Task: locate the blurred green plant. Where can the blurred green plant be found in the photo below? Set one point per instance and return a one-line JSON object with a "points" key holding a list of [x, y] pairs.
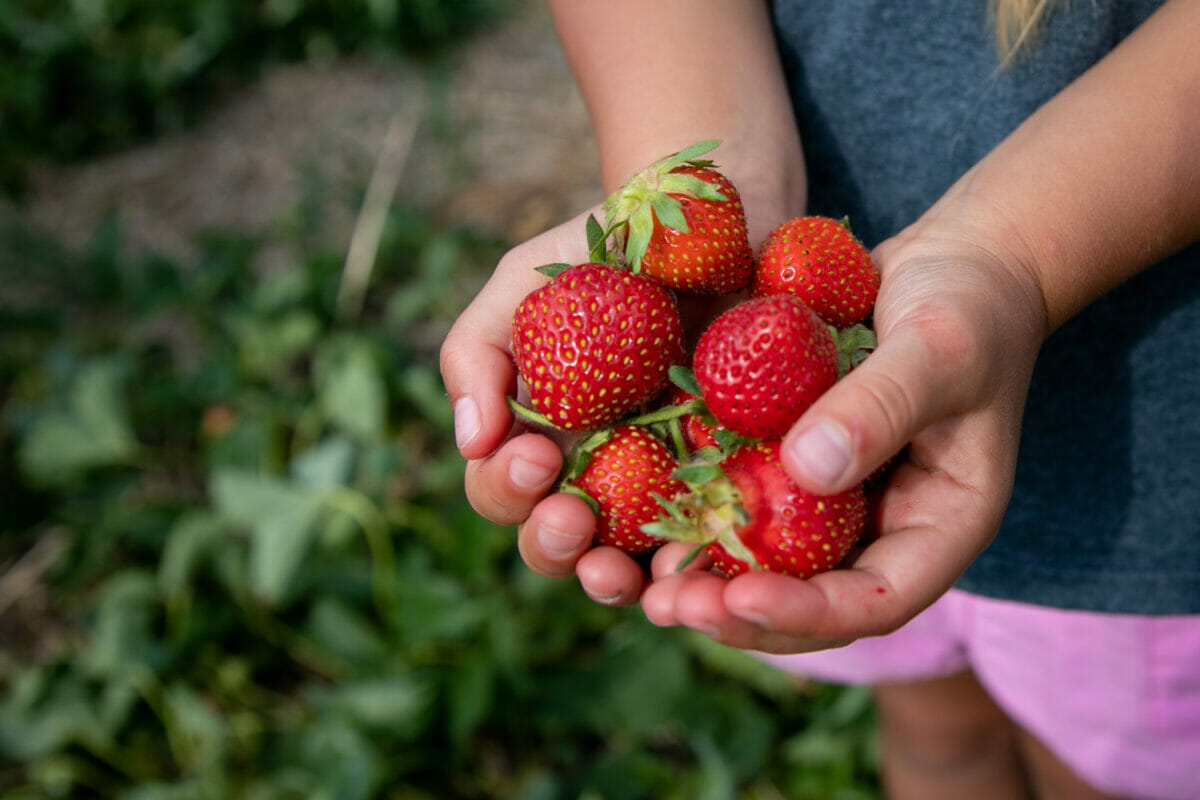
{"points": [[89, 76], [238, 562]]}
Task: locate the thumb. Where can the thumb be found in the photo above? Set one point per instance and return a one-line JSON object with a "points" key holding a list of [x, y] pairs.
{"points": [[908, 383]]}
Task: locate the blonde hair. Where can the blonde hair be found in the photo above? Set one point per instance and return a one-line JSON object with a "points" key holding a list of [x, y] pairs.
{"points": [[1018, 23]]}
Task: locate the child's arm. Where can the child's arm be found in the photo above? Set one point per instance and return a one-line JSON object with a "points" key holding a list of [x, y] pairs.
{"points": [[657, 77], [1099, 184]]}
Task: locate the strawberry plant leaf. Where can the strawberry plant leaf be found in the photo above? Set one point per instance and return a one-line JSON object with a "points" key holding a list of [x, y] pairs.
{"points": [[281, 519], [351, 389], [92, 431]]}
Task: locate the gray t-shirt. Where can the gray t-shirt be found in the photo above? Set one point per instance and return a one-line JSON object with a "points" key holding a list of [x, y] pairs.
{"points": [[895, 100]]}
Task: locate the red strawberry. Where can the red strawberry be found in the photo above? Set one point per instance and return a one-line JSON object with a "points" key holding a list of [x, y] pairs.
{"points": [[753, 516], [787, 529], [819, 260], [595, 343], [762, 363], [681, 221], [622, 477]]}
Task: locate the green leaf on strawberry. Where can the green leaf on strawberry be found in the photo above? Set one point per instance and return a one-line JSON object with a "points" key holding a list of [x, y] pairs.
{"points": [[681, 221]]}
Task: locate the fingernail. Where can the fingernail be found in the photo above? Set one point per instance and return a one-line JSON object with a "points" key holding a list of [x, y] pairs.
{"points": [[822, 453], [557, 544], [604, 599], [528, 475], [755, 618], [466, 421]]}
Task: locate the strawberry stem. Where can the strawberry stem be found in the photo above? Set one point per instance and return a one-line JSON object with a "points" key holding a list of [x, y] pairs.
{"points": [[667, 413], [572, 489], [529, 415]]}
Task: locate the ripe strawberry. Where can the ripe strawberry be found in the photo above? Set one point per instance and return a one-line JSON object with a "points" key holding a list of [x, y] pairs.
{"points": [[762, 363], [819, 260], [681, 221], [751, 515], [623, 474], [595, 343], [787, 529]]}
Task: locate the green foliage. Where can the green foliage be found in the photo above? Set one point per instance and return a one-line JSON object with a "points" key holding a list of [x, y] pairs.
{"points": [[269, 586], [89, 76]]}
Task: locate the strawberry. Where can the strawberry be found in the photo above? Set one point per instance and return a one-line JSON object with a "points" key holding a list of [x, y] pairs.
{"points": [[595, 343], [762, 363], [623, 472], [748, 514], [786, 529], [819, 260], [681, 221]]}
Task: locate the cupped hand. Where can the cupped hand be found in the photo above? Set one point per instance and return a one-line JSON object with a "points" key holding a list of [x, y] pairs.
{"points": [[959, 327], [511, 469]]}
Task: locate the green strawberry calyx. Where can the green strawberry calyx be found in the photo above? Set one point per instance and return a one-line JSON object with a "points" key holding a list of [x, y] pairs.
{"points": [[630, 210], [854, 344], [711, 511]]}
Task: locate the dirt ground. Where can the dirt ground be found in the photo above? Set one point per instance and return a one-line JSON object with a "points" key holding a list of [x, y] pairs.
{"points": [[504, 145]]}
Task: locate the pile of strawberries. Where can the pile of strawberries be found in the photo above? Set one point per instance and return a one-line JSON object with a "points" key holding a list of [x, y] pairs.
{"points": [[685, 446]]}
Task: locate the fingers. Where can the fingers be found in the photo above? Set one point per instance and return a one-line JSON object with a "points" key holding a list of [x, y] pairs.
{"points": [[776, 613], [610, 577], [912, 380], [479, 374], [556, 541], [933, 526], [476, 362], [505, 486], [557, 533]]}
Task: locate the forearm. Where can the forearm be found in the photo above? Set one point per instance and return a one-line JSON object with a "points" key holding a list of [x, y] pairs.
{"points": [[659, 76], [1103, 180]]}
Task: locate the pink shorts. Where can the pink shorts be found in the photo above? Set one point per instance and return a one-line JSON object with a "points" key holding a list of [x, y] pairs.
{"points": [[1115, 697]]}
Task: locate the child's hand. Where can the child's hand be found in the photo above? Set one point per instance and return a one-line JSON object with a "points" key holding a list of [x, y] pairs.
{"points": [[510, 469], [958, 331]]}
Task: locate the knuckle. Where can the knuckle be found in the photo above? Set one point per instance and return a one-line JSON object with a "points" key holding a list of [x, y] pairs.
{"points": [[893, 406]]}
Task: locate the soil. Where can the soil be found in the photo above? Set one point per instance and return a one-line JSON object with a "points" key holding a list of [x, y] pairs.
{"points": [[502, 144]]}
